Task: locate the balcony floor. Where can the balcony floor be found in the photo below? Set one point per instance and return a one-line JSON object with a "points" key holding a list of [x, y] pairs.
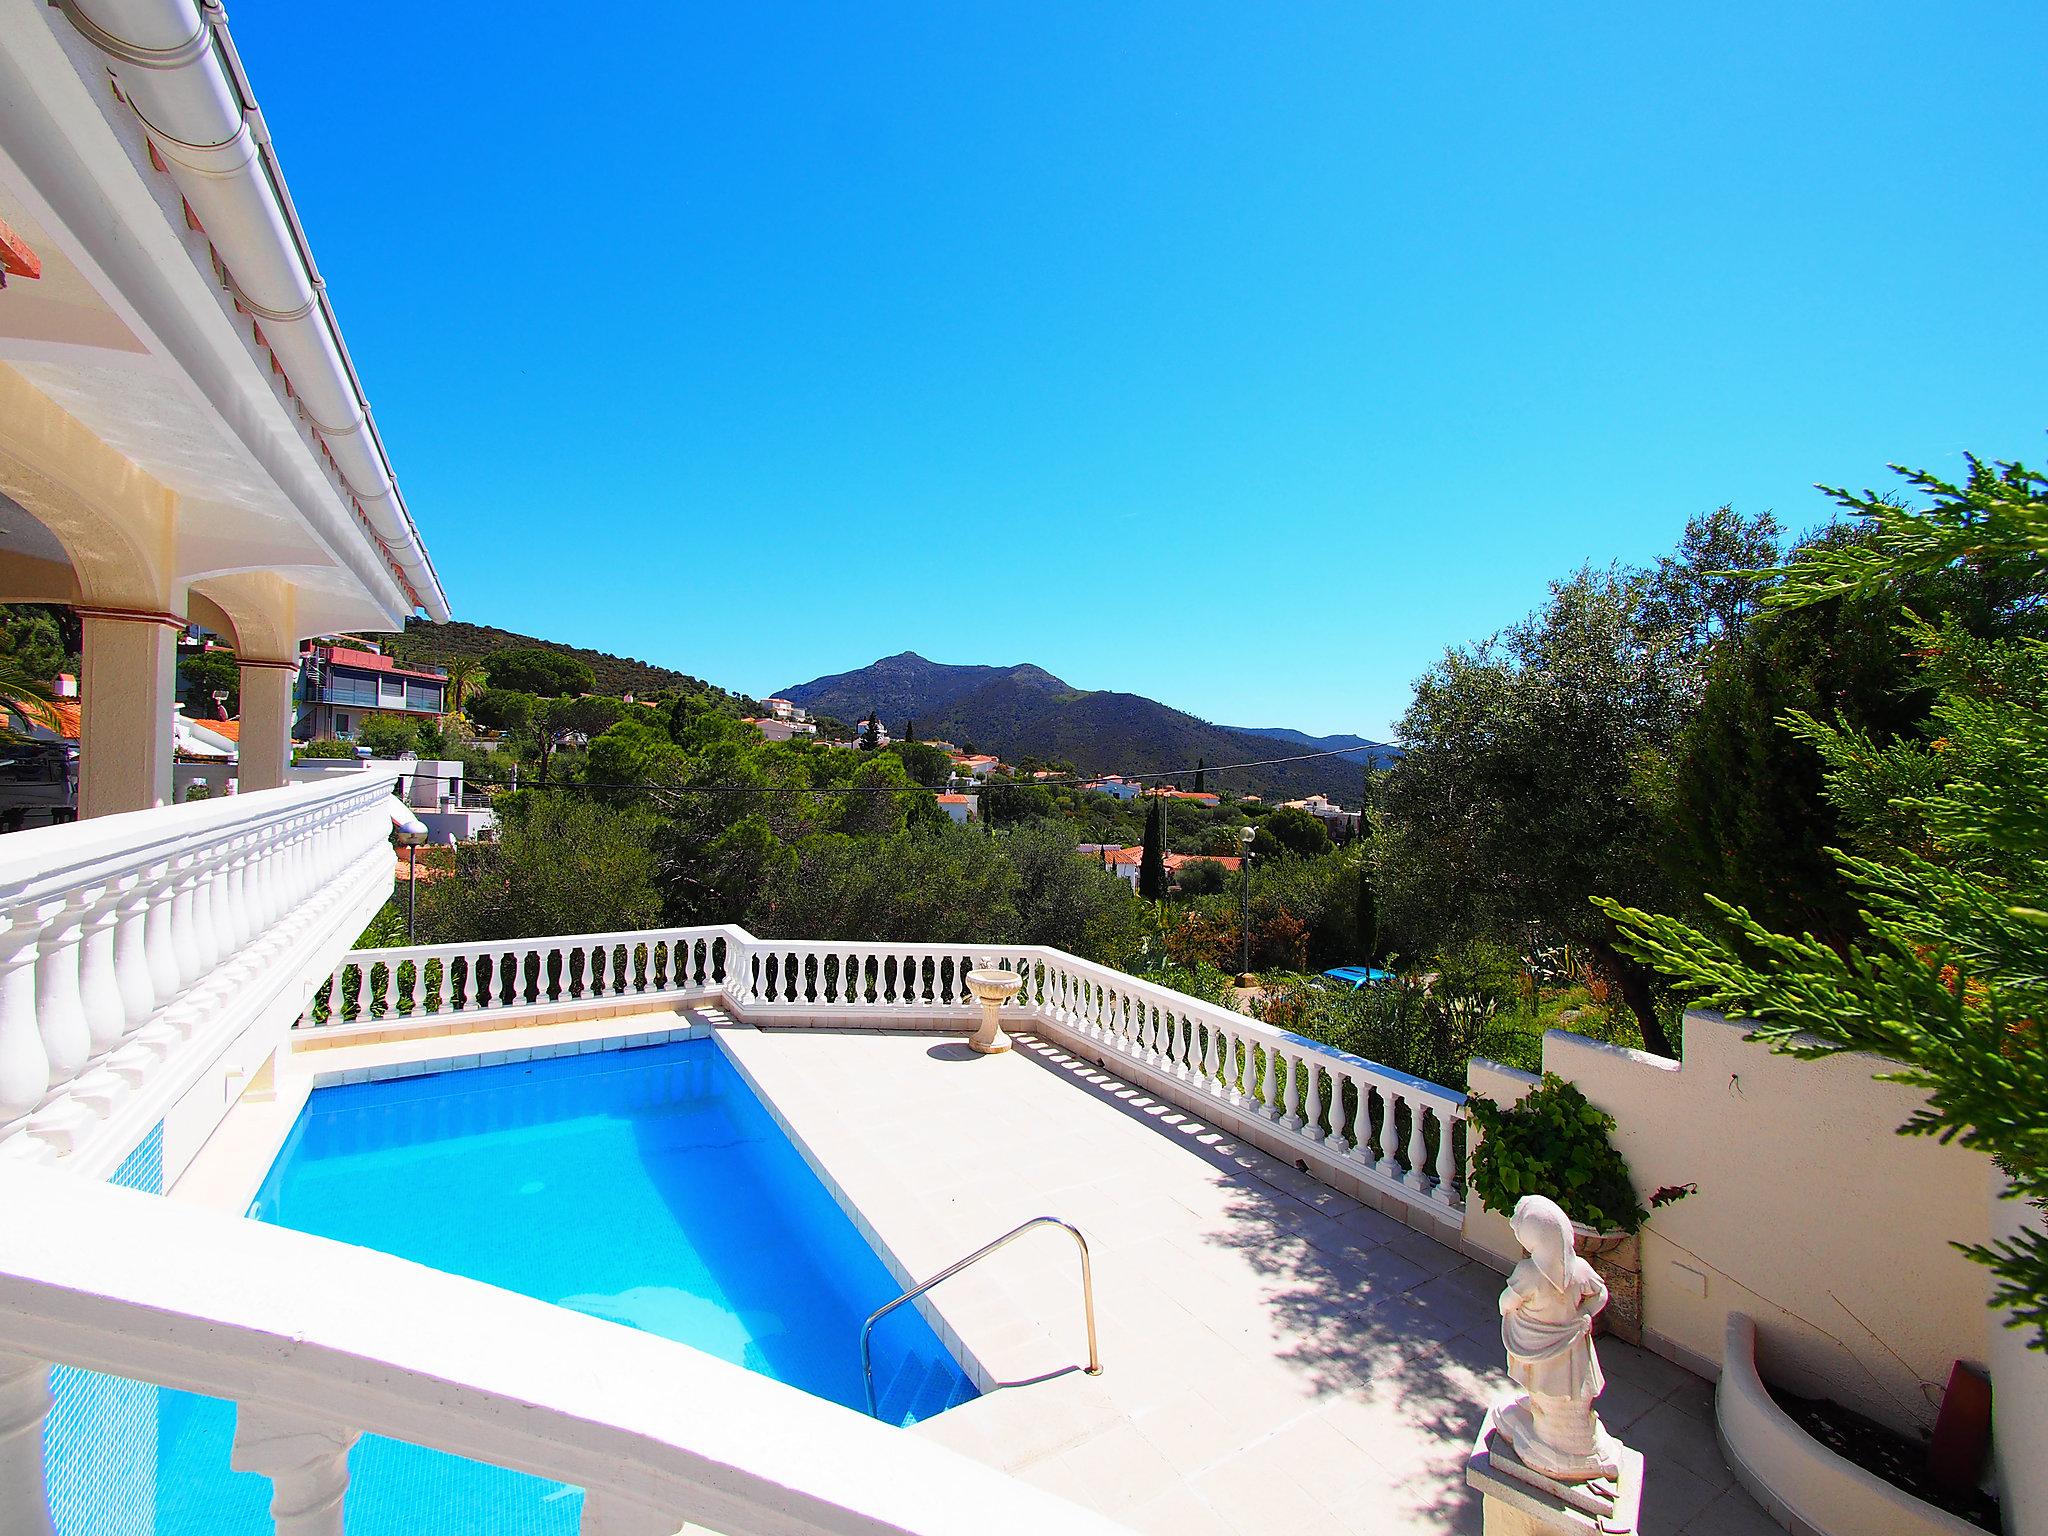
{"points": [[1277, 1357]]}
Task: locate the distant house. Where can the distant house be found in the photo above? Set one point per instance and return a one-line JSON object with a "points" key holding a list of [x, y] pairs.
{"points": [[975, 765], [342, 686], [960, 807], [1335, 819], [780, 728], [783, 709], [1124, 863], [1122, 788], [1199, 797]]}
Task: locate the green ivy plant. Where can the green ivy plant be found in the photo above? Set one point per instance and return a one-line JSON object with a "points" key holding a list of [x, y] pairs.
{"points": [[1554, 1142]]}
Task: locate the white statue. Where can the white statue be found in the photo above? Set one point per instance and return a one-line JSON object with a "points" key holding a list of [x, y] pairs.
{"points": [[1546, 1322]]}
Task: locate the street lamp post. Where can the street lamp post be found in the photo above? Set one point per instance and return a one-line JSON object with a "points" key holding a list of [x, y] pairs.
{"points": [[410, 841], [1244, 901]]}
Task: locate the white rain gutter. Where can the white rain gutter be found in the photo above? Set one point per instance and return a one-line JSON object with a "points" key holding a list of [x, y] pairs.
{"points": [[178, 69]]}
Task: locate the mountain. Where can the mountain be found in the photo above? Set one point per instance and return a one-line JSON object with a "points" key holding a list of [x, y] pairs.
{"points": [[1025, 712], [1308, 742], [426, 643]]}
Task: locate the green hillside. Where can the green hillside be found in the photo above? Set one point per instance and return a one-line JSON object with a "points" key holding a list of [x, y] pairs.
{"points": [[425, 643]]}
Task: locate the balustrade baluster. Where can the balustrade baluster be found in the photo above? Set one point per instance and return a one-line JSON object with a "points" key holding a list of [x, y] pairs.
{"points": [[1418, 1145], [1390, 1134], [306, 1460], [24, 1404], [1312, 1118], [241, 873], [67, 1042], [160, 946], [1443, 1168], [184, 930], [24, 1063], [131, 956], [99, 990]]}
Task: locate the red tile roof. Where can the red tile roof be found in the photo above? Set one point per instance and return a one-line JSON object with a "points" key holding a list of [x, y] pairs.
{"points": [[372, 661], [65, 724]]}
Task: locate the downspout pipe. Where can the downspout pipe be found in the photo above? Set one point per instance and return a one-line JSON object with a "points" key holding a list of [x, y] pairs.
{"points": [[178, 70]]}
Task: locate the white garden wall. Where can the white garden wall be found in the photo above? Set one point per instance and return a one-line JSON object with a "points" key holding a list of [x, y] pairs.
{"points": [[1813, 1216]]}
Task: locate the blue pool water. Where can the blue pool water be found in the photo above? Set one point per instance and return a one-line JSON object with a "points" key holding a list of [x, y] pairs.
{"points": [[649, 1187]]}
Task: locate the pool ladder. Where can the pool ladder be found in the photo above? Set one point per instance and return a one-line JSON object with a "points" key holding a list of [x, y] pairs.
{"points": [[867, 1364]]}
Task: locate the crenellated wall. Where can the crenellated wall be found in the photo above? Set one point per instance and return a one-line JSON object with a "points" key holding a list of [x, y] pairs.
{"points": [[1813, 1215]]}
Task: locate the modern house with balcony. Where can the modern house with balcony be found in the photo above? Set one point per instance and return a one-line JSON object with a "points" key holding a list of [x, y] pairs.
{"points": [[625, 1234], [341, 686]]}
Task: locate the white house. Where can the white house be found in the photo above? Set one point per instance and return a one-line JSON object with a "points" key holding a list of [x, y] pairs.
{"points": [[960, 807], [1117, 785]]}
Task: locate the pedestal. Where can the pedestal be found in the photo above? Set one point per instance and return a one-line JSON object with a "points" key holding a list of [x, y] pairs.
{"points": [[1520, 1501]]}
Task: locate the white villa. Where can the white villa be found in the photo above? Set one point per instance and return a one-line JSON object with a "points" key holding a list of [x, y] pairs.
{"points": [[1272, 1306]]}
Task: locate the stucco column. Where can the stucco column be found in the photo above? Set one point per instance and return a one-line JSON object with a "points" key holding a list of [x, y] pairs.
{"points": [[265, 748], [127, 691]]}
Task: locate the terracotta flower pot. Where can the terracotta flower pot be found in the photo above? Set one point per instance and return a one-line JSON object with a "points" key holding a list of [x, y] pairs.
{"points": [[1617, 1258]]}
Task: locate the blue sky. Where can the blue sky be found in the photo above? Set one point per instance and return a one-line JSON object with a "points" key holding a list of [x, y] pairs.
{"points": [[1241, 356]]}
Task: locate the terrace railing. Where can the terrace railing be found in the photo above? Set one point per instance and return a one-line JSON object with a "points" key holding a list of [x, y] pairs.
{"points": [[275, 1321], [1351, 1121], [135, 949]]}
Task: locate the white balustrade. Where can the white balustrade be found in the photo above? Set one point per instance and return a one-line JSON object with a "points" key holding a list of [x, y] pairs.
{"points": [[125, 936], [653, 1431], [1341, 1114]]}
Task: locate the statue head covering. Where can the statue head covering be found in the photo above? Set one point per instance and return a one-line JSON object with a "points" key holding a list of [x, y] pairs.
{"points": [[1541, 1226]]}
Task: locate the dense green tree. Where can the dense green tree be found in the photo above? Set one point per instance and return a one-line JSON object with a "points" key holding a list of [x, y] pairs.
{"points": [[1061, 900], [948, 886], [562, 864], [1522, 793], [1201, 877], [205, 673], [633, 759], [39, 639], [1950, 982], [1201, 775], [870, 734], [538, 671], [388, 735], [1291, 832], [1747, 816], [925, 764], [502, 709], [1152, 863]]}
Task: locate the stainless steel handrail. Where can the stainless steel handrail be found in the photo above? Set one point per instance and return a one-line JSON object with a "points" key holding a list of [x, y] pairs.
{"points": [[867, 1364]]}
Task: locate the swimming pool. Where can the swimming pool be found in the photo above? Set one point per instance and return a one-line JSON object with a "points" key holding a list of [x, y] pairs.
{"points": [[648, 1186]]}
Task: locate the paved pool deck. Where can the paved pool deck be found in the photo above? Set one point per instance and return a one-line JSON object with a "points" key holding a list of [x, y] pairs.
{"points": [[1278, 1358]]}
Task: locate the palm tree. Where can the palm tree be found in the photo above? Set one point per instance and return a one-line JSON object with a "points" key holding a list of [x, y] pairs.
{"points": [[25, 697], [461, 670]]}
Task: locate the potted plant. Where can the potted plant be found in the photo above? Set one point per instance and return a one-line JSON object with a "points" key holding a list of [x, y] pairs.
{"points": [[1555, 1142]]}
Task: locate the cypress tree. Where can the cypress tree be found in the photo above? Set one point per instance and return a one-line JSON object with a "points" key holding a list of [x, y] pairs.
{"points": [[1201, 775], [1152, 867], [1367, 935]]}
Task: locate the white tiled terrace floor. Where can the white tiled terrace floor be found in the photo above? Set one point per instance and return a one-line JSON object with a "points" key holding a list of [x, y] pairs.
{"points": [[1277, 1357]]}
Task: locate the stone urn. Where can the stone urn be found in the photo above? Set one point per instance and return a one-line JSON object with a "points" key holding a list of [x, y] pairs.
{"points": [[993, 989], [1616, 1258]]}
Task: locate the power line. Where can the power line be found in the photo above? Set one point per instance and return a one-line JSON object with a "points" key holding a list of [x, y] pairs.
{"points": [[1070, 781]]}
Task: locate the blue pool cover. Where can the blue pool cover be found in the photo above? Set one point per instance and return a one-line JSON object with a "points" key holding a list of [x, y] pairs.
{"points": [[649, 1187]]}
